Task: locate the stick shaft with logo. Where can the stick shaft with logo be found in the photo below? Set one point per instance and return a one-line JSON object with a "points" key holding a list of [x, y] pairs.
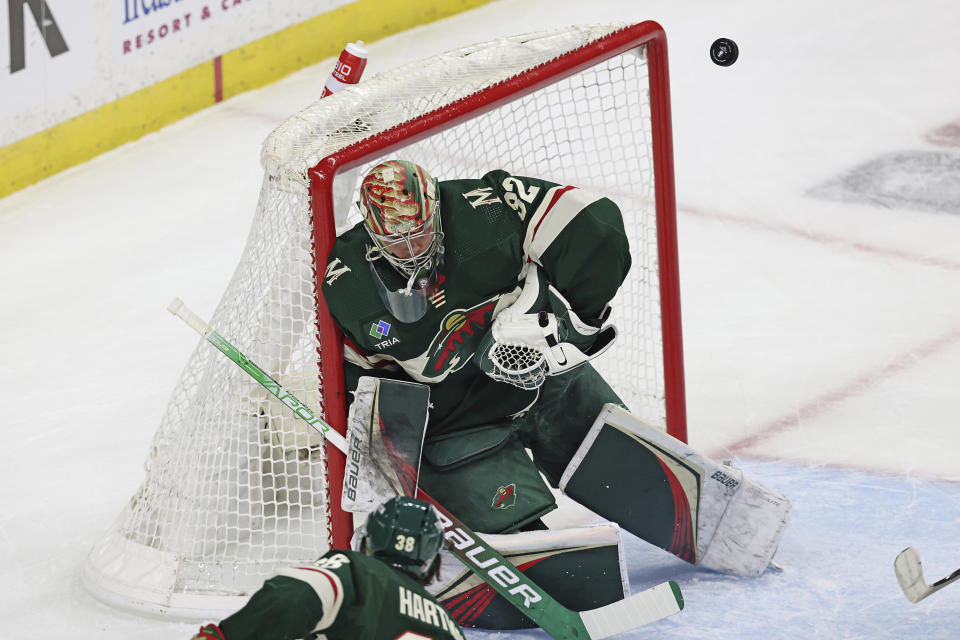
{"points": [[560, 622]]}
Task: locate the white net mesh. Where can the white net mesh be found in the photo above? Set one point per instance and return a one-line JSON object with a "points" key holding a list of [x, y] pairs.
{"points": [[235, 486]]}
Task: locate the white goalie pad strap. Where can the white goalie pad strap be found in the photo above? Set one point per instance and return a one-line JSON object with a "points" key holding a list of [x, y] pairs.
{"points": [[738, 522], [526, 546], [563, 354], [359, 529]]}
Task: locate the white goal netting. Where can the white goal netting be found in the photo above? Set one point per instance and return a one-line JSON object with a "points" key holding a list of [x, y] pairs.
{"points": [[235, 487]]}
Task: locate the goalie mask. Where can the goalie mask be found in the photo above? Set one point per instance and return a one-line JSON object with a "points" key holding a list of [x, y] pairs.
{"points": [[400, 204], [406, 534], [401, 210]]}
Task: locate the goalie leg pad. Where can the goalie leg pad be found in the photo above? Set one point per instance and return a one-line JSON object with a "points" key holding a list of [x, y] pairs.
{"points": [[664, 492], [562, 417], [486, 478], [381, 409], [749, 530], [582, 568]]}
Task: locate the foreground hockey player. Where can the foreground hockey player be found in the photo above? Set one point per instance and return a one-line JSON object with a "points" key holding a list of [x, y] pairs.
{"points": [[494, 292], [349, 595]]}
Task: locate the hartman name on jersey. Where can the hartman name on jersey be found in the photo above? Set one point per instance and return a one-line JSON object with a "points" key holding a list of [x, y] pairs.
{"points": [[415, 606]]}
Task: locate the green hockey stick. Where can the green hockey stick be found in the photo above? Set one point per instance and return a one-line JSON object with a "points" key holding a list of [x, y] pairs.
{"points": [[560, 622]]}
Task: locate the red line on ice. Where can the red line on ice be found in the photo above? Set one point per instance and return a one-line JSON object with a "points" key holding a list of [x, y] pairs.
{"points": [[824, 238], [829, 400], [864, 382]]}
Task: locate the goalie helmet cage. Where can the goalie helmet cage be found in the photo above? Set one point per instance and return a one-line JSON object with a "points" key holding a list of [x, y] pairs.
{"points": [[235, 486]]}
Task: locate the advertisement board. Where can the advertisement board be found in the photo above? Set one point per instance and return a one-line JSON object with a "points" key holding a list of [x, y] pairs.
{"points": [[66, 57], [82, 77]]}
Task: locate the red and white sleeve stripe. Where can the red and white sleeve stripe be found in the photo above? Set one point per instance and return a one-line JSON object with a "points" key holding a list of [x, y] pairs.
{"points": [[328, 588], [353, 355], [560, 206]]}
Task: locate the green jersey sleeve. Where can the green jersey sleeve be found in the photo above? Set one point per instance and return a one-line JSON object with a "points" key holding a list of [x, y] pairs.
{"points": [[343, 595], [575, 234], [365, 599]]}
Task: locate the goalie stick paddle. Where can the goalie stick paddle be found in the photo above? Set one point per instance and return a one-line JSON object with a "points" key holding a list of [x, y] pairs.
{"points": [[639, 609], [910, 576]]}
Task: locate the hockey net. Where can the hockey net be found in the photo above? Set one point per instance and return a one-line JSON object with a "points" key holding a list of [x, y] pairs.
{"points": [[235, 486]]}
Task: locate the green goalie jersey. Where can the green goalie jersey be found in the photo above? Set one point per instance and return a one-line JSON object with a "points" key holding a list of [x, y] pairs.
{"points": [[492, 226], [345, 595]]}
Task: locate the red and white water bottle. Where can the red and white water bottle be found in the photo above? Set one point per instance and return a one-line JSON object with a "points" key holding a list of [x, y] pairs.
{"points": [[348, 69]]}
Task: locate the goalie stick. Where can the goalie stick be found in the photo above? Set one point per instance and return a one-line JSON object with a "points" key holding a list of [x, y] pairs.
{"points": [[560, 622], [910, 576]]}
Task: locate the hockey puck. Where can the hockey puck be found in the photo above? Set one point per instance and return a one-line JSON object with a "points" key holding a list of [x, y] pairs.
{"points": [[724, 52]]}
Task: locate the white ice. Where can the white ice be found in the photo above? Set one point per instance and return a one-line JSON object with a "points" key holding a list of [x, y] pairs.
{"points": [[822, 335]]}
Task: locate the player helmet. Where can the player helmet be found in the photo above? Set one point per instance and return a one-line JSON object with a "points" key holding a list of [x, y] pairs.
{"points": [[405, 533], [400, 203]]}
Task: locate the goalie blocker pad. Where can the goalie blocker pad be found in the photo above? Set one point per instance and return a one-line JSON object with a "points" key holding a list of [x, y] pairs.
{"points": [[664, 492], [582, 568], [401, 408]]}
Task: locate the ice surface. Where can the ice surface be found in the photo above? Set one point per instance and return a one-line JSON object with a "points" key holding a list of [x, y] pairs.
{"points": [[822, 331]]}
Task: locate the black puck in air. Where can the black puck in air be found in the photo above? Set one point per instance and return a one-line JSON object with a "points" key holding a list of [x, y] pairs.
{"points": [[724, 52]]}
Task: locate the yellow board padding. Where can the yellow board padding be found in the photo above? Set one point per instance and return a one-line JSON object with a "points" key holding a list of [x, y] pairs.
{"points": [[261, 62], [88, 135]]}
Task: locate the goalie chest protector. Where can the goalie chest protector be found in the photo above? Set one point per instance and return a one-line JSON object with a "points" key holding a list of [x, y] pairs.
{"points": [[484, 251]]}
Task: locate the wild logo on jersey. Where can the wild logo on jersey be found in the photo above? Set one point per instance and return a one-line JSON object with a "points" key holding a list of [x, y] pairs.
{"points": [[505, 497], [459, 335]]}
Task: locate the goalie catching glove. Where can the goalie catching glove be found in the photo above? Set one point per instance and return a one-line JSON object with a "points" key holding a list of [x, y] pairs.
{"points": [[540, 335]]}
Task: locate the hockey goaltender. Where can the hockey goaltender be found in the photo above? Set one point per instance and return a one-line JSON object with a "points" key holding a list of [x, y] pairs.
{"points": [[494, 292]]}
